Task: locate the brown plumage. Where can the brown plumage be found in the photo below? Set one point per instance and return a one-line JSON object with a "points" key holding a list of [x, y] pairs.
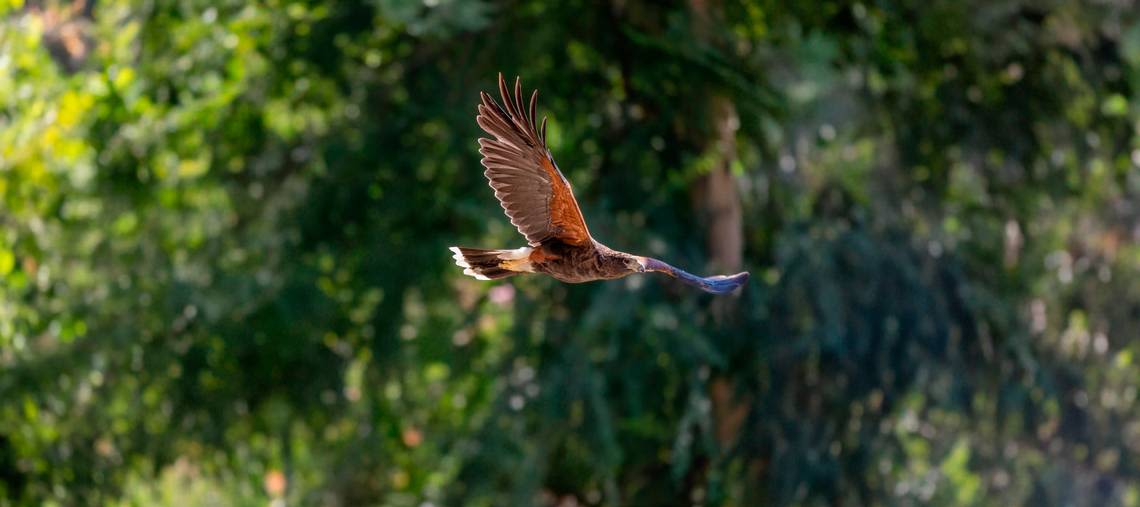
{"points": [[540, 203]]}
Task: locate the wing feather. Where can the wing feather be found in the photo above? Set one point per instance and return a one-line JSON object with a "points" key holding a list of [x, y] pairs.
{"points": [[533, 192]]}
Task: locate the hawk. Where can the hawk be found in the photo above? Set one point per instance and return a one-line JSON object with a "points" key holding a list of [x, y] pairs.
{"points": [[540, 203]]}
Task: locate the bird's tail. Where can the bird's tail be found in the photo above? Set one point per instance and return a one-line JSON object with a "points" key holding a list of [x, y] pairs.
{"points": [[492, 264]]}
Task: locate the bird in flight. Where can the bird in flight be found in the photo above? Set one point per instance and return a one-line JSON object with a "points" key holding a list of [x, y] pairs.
{"points": [[538, 200]]}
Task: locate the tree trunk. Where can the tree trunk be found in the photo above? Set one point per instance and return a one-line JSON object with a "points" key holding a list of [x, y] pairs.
{"points": [[717, 202]]}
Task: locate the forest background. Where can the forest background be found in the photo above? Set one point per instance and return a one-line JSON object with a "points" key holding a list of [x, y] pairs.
{"points": [[224, 276]]}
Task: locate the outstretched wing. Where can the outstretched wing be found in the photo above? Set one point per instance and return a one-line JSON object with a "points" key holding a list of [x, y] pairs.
{"points": [[720, 284], [533, 192]]}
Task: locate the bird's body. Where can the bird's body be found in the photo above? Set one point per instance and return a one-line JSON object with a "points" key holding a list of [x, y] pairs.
{"points": [[573, 264], [540, 203], [563, 262]]}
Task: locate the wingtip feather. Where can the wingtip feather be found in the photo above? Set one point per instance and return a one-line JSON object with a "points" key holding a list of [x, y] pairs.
{"points": [[533, 107]]}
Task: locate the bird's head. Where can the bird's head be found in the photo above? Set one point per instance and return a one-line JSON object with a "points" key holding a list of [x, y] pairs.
{"points": [[635, 264]]}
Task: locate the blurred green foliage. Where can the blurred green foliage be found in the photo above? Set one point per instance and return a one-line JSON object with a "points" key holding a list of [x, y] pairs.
{"points": [[225, 277]]}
